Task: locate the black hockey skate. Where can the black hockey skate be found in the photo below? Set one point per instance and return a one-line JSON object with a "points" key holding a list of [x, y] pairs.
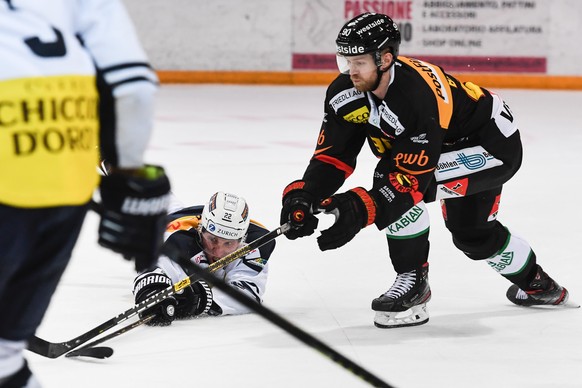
{"points": [[404, 304], [543, 291]]}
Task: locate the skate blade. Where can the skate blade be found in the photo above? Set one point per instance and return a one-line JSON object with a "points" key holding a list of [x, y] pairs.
{"points": [[569, 304], [566, 303], [414, 316], [572, 304]]}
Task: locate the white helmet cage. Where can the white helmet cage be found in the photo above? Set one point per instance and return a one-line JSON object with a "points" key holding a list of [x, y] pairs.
{"points": [[226, 215]]}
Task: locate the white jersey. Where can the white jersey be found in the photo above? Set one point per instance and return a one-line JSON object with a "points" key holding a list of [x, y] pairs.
{"points": [[107, 32], [48, 113], [249, 273], [238, 274]]}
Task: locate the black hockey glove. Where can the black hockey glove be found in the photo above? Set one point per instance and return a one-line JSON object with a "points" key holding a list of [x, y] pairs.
{"points": [[193, 300], [297, 209], [353, 210], [148, 284], [133, 214]]}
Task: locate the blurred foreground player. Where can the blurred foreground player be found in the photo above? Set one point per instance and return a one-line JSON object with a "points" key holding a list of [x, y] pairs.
{"points": [[435, 137], [200, 236], [65, 65]]}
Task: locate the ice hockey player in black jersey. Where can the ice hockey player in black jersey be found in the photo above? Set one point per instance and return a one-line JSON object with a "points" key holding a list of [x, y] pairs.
{"points": [[74, 83], [435, 138], [200, 236]]}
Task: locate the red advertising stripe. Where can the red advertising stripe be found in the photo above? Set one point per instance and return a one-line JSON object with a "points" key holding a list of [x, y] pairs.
{"points": [[449, 63], [314, 62], [489, 64]]}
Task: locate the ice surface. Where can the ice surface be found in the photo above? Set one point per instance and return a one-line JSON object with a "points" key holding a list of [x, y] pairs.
{"points": [[253, 140]]}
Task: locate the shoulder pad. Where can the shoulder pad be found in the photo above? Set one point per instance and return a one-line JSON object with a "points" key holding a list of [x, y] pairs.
{"points": [[342, 92], [183, 223], [181, 246], [346, 101]]}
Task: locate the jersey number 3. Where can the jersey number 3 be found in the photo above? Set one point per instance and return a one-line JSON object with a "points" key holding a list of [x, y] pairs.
{"points": [[48, 49]]}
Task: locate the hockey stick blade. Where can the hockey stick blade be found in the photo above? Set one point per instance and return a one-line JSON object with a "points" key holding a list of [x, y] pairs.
{"points": [[94, 352], [87, 348], [56, 349]]}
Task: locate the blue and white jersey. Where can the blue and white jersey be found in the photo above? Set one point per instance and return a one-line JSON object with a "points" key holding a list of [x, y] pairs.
{"points": [[183, 245]]}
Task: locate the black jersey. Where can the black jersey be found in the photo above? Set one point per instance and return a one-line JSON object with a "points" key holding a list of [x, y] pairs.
{"points": [[423, 108]]}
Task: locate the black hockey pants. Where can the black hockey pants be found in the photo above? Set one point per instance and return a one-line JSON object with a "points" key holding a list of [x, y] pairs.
{"points": [[471, 217], [35, 248]]}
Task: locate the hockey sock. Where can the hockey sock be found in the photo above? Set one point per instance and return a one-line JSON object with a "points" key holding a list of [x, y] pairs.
{"points": [[11, 357], [408, 239], [514, 260], [413, 222]]}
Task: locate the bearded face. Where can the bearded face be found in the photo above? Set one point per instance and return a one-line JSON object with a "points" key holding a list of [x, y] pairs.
{"points": [[362, 70]]}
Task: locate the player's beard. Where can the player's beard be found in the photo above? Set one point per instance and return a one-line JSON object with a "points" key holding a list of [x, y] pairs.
{"points": [[365, 84]]}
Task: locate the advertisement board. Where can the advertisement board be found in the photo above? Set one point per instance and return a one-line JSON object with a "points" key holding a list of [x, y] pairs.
{"points": [[495, 36]]}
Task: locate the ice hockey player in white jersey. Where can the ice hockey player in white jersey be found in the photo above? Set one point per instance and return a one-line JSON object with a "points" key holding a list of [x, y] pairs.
{"points": [[200, 236], [74, 83]]}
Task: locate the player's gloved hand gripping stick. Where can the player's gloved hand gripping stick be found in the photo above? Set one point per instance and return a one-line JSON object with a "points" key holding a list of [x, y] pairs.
{"points": [[57, 349]]}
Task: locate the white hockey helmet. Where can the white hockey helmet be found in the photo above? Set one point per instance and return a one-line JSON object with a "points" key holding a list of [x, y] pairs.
{"points": [[226, 216]]}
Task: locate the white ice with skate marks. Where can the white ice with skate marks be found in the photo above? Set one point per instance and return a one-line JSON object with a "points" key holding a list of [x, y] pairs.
{"points": [[253, 141]]}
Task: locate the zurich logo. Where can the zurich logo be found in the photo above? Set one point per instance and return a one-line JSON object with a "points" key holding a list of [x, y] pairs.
{"points": [[472, 162], [211, 227]]}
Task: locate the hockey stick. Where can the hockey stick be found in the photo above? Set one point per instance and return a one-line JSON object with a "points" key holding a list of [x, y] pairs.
{"points": [[290, 328], [56, 349], [90, 350]]}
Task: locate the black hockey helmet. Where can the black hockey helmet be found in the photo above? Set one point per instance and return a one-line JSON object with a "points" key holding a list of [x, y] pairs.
{"points": [[369, 33]]}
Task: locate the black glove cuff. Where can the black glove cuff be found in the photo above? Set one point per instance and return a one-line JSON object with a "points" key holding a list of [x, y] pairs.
{"points": [[147, 284], [194, 300]]}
